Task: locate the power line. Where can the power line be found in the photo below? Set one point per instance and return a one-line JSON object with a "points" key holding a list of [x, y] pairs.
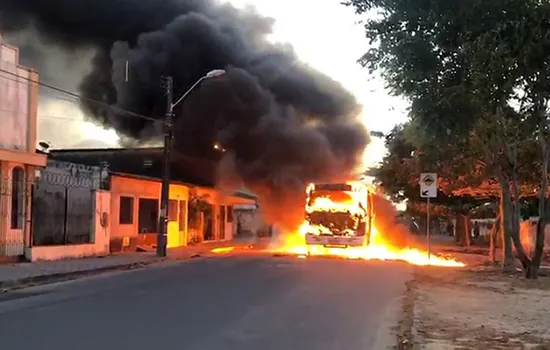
{"points": [[41, 116], [75, 95], [65, 118], [49, 116], [55, 97]]}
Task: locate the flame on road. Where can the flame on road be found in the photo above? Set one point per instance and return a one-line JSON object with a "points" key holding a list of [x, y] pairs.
{"points": [[378, 249], [222, 250], [355, 203]]}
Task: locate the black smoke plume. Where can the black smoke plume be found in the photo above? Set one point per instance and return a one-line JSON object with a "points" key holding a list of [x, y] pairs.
{"points": [[282, 123]]}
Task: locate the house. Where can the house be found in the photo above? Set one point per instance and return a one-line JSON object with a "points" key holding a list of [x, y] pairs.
{"points": [[18, 157], [197, 211]]}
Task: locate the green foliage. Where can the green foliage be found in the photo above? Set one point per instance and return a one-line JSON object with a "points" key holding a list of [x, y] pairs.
{"points": [[477, 75], [456, 61], [462, 65], [400, 170]]}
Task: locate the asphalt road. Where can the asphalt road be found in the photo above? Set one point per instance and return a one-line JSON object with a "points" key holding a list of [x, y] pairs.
{"points": [[225, 303]]}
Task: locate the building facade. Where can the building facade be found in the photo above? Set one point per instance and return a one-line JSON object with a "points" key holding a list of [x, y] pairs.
{"points": [[18, 157], [135, 207], [197, 211]]}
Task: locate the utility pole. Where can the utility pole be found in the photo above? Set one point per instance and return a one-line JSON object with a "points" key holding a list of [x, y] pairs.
{"points": [[168, 85], [165, 191]]}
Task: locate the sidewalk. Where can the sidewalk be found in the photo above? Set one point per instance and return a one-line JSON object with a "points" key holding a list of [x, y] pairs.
{"points": [[19, 275]]}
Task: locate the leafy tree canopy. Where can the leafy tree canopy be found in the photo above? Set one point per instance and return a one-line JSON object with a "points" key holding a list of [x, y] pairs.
{"points": [[466, 67]]}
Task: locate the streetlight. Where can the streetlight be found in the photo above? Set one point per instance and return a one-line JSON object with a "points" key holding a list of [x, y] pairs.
{"points": [[218, 147], [168, 129], [212, 74]]}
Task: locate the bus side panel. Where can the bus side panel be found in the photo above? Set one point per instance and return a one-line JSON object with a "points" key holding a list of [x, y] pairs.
{"points": [[370, 216]]}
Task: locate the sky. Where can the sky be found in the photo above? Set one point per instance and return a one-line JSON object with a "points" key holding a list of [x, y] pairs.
{"points": [[326, 35]]}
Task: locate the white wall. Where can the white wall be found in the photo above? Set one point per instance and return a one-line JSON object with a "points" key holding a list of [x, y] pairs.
{"points": [[228, 231], [99, 247], [14, 101], [249, 220]]}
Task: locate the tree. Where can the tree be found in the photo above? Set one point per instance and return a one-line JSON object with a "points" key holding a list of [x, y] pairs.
{"points": [[400, 170], [534, 62], [461, 64]]}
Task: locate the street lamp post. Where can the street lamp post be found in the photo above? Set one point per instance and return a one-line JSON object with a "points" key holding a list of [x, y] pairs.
{"points": [[168, 131]]}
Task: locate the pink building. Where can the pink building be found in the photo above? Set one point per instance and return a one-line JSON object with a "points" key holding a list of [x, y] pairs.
{"points": [[18, 156]]}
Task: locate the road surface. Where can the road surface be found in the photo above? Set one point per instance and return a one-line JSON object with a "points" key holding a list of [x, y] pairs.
{"points": [[225, 303]]}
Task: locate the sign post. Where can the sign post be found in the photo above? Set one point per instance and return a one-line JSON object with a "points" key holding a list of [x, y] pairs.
{"points": [[428, 189]]}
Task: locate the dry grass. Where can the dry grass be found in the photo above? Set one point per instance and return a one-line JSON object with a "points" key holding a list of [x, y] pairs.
{"points": [[480, 308]]}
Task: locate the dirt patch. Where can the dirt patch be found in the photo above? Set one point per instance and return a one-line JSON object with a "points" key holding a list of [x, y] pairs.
{"points": [[479, 308], [404, 329]]}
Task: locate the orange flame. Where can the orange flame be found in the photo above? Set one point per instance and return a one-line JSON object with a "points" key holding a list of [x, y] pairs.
{"points": [[378, 248], [222, 250]]}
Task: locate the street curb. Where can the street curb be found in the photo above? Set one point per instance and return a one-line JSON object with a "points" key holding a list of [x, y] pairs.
{"points": [[405, 330], [10, 285]]}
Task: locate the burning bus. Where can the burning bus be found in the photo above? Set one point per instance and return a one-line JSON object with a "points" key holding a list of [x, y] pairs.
{"points": [[339, 215], [342, 215]]}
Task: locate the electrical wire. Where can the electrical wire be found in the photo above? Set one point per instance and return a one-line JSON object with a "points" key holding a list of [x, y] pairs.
{"points": [[75, 95]]}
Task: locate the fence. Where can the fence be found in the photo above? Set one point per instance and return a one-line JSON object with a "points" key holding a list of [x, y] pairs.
{"points": [[63, 205]]}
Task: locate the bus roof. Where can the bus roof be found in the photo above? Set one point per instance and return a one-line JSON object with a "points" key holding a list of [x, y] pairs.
{"points": [[333, 187]]}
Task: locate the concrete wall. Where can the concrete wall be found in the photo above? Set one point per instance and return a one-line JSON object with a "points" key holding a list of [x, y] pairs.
{"points": [[19, 101], [100, 239], [14, 92], [178, 237], [126, 236]]}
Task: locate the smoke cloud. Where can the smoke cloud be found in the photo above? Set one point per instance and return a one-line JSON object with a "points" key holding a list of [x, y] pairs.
{"points": [[386, 221], [282, 123]]}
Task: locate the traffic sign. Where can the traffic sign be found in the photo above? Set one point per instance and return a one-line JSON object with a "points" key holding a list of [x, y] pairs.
{"points": [[428, 189], [428, 185]]}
